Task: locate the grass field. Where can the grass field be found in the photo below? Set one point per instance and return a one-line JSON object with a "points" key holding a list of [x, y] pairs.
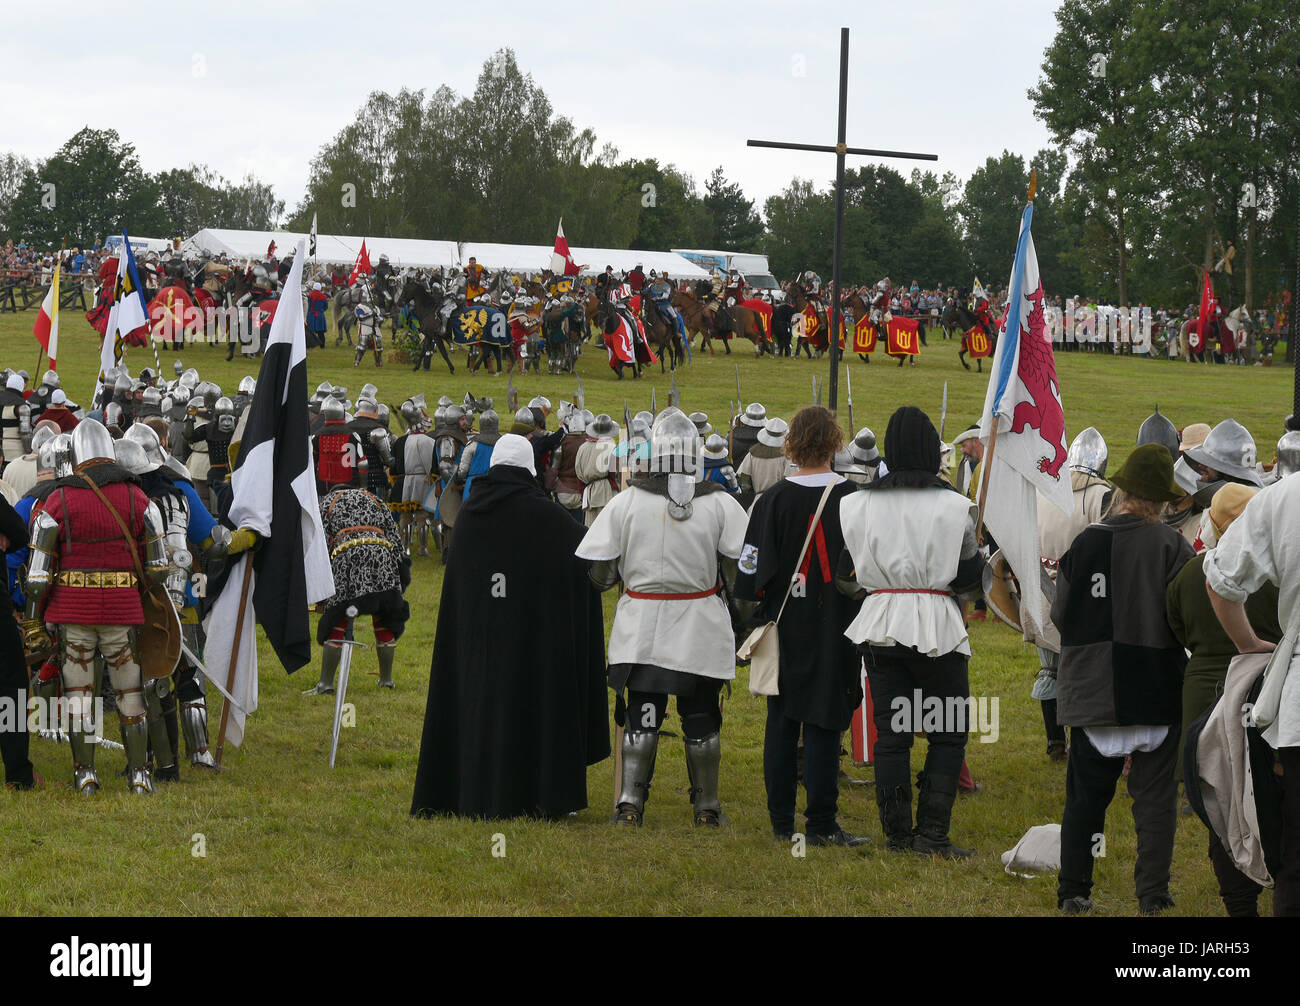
{"points": [[282, 834]]}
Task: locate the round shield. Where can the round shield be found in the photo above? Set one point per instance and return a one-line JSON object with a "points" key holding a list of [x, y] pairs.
{"points": [[1001, 591]]}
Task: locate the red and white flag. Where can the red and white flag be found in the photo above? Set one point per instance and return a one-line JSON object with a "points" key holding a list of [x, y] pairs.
{"points": [[562, 263], [46, 328], [362, 265]]}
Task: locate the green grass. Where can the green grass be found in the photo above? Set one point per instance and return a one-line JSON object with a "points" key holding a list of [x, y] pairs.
{"points": [[285, 835]]}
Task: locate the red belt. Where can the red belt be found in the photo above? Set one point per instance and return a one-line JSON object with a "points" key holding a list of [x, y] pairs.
{"points": [[695, 596], [913, 590]]}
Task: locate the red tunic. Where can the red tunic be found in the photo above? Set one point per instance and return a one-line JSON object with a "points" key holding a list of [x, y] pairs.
{"points": [[90, 541]]}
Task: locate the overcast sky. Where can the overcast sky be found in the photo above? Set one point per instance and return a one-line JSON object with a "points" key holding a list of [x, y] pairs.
{"points": [[260, 86]]}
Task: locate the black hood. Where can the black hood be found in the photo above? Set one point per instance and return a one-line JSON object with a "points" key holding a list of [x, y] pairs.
{"points": [[499, 483]]}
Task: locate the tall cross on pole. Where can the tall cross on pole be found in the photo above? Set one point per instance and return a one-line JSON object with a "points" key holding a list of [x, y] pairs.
{"points": [[839, 150]]}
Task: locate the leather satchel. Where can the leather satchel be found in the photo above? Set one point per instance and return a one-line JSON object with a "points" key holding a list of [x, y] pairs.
{"points": [[158, 639], [762, 648]]}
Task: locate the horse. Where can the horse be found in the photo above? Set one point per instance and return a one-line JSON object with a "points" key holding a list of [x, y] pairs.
{"points": [[427, 304], [957, 315], [737, 319], [661, 334], [798, 299], [562, 331], [343, 306], [856, 303], [245, 298]]}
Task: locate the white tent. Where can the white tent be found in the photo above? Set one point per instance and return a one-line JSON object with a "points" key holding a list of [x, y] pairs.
{"points": [[330, 248], [535, 258]]}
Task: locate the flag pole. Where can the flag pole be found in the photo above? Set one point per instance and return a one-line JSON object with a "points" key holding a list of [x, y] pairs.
{"points": [[234, 655], [986, 462]]}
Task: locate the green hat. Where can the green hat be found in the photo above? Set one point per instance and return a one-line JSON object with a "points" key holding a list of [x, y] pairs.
{"points": [[1149, 474]]}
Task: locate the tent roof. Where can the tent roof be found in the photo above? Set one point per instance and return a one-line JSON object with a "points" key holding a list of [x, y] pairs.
{"points": [[401, 252], [535, 258]]}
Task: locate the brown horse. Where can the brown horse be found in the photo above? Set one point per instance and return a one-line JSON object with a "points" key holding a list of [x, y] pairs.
{"points": [[662, 336], [797, 297], [700, 318]]}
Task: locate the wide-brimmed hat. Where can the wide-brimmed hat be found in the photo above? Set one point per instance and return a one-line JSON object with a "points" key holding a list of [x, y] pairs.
{"points": [[602, 428], [754, 415], [715, 447], [773, 432], [1194, 435], [1149, 474], [1227, 505]]}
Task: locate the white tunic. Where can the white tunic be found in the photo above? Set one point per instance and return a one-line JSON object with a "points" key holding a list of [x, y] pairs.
{"points": [[417, 461], [659, 555], [907, 539], [1263, 544]]}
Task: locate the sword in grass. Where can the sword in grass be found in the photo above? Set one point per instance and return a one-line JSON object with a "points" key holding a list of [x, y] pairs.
{"points": [[340, 694], [61, 737]]}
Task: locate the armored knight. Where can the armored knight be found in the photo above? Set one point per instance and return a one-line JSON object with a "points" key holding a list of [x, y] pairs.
{"points": [[568, 487], [15, 420], [449, 442], [376, 443], [413, 455], [82, 577], [370, 334], [477, 456], [672, 631], [339, 452]]}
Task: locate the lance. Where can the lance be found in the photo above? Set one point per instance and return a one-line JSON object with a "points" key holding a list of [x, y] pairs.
{"points": [[345, 665], [579, 397], [943, 412]]}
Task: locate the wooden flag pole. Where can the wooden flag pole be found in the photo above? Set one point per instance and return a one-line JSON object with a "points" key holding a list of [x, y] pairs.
{"points": [[234, 654]]}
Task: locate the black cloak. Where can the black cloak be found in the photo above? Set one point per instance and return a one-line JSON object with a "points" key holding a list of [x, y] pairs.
{"points": [[13, 663], [517, 704]]}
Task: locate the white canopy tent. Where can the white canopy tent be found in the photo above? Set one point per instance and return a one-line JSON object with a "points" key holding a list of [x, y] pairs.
{"points": [[535, 258], [330, 248]]}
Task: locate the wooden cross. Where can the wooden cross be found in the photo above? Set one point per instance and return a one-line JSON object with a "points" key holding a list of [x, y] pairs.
{"points": [[839, 150]]}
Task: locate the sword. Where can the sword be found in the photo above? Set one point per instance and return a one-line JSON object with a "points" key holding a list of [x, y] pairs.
{"points": [[60, 737], [215, 683], [943, 413], [675, 394], [848, 380], [654, 411], [579, 398], [340, 693]]}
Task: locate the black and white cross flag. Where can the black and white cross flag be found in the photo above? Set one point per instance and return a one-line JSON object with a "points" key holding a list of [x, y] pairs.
{"points": [[275, 495], [311, 250]]}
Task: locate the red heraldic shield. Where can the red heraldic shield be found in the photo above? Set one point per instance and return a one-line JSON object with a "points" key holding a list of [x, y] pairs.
{"points": [[170, 312], [901, 339], [764, 311]]}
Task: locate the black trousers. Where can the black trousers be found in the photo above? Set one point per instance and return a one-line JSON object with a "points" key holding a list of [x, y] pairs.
{"points": [[13, 688], [699, 712], [896, 674], [1090, 782], [821, 771], [1286, 885]]}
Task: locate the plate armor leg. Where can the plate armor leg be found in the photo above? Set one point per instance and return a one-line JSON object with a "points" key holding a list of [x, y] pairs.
{"points": [[194, 724], [386, 652], [639, 750], [329, 663], [156, 693], [703, 758], [135, 737]]}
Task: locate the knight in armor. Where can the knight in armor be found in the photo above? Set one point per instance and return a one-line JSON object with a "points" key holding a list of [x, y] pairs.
{"points": [[193, 539], [564, 460], [596, 466], [716, 466], [475, 280], [220, 431], [83, 576], [1288, 457], [340, 458], [661, 296], [413, 457], [765, 463], [865, 454], [371, 573], [745, 430], [477, 456], [199, 417], [370, 334], [15, 419], [376, 442], [449, 440], [1086, 462], [673, 577], [244, 394]]}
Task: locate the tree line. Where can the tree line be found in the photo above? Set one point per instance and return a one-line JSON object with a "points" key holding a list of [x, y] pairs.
{"points": [[1173, 135]]}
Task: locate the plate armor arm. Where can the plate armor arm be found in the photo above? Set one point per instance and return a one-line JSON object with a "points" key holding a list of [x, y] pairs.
{"points": [[466, 459], [42, 562], [447, 458], [741, 611], [604, 573], [382, 441], [157, 566]]}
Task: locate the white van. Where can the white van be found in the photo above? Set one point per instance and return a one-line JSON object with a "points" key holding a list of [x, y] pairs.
{"points": [[754, 268]]}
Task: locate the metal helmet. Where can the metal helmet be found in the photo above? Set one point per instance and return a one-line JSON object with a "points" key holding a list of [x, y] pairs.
{"points": [[702, 424], [489, 422], [645, 417], [525, 417], [382, 414], [1230, 451], [453, 414], [113, 415], [674, 443], [247, 385], [542, 403], [1088, 453], [368, 390], [177, 368], [190, 378], [148, 441], [755, 414], [863, 448], [414, 416], [1288, 455], [150, 402], [1156, 429], [90, 441], [716, 446], [323, 391], [332, 410], [131, 456], [444, 401], [224, 415], [50, 379], [44, 433], [367, 405], [61, 446], [45, 460]]}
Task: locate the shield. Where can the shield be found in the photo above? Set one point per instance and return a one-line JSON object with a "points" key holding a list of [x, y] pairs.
{"points": [[1001, 591]]}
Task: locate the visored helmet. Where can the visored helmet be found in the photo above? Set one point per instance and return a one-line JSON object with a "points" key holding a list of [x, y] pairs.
{"points": [[224, 415], [148, 441], [332, 410], [91, 441], [1088, 453], [61, 446]]}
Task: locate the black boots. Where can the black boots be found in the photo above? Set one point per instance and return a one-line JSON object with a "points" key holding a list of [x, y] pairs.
{"points": [[895, 806], [936, 794]]}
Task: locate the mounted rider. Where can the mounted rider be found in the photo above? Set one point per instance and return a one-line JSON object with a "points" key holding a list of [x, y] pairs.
{"points": [[475, 280], [660, 290]]}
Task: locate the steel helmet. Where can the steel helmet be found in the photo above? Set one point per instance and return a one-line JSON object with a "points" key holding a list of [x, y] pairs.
{"points": [[863, 448], [1088, 453], [674, 443], [131, 456], [1156, 429], [91, 441], [332, 410], [61, 447], [1288, 455], [1230, 451], [489, 422], [148, 442]]}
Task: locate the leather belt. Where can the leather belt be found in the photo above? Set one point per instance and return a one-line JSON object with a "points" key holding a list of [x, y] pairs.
{"points": [[694, 596], [912, 590], [354, 542], [96, 579]]}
